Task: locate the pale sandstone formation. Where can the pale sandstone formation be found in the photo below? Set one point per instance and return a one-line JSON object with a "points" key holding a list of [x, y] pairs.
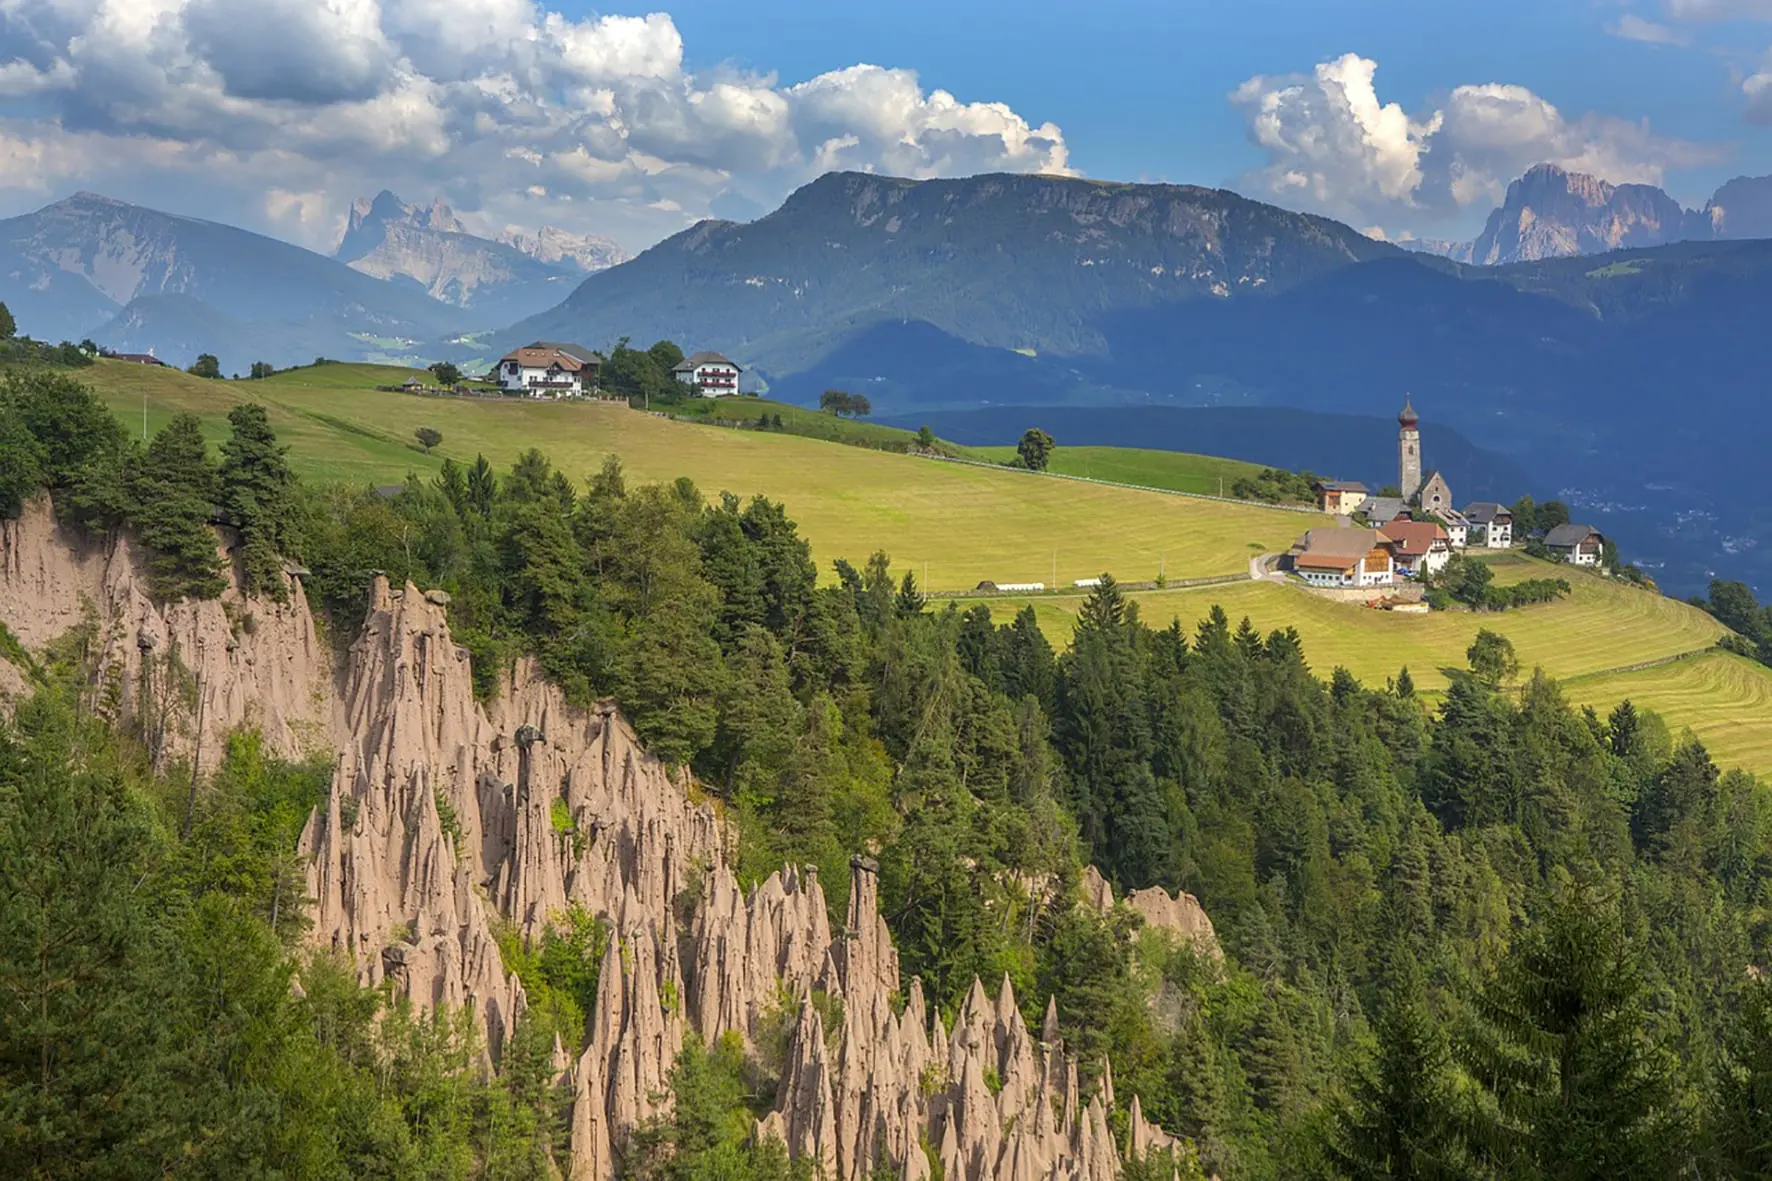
{"points": [[1180, 915], [441, 824], [411, 902], [245, 660]]}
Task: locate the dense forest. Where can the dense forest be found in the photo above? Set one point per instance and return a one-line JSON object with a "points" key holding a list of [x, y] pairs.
{"points": [[1488, 936]]}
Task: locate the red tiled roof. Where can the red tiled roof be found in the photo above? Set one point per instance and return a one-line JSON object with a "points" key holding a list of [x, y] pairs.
{"points": [[1414, 538]]}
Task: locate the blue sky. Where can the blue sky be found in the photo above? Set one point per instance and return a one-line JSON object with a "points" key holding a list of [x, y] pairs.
{"points": [[1139, 86], [1406, 118]]}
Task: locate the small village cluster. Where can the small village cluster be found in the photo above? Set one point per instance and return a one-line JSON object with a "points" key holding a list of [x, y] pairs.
{"points": [[552, 369], [1413, 534]]}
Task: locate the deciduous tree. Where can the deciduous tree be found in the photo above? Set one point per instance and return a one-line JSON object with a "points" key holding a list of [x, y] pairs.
{"points": [[1035, 449]]}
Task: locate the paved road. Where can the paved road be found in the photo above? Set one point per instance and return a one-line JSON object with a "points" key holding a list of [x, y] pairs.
{"points": [[1261, 568]]}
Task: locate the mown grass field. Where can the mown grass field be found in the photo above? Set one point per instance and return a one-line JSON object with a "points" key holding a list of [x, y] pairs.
{"points": [[1726, 700], [1203, 474], [969, 523], [952, 525], [1600, 626]]}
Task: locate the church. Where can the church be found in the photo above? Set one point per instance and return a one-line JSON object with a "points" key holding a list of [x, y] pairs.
{"points": [[1417, 495], [1432, 495]]}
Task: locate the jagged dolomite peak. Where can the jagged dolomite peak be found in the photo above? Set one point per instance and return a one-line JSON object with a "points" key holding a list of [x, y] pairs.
{"points": [[186, 673]]}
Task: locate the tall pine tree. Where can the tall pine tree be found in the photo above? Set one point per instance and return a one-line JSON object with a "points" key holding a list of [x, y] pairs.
{"points": [[174, 490], [258, 498]]}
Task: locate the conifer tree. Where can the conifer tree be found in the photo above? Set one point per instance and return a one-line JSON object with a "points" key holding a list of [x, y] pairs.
{"points": [[174, 489], [258, 498], [1401, 1120], [1575, 1087]]}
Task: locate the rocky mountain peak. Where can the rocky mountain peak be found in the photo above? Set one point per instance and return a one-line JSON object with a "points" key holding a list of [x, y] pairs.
{"points": [[1742, 208], [555, 246], [1551, 212]]}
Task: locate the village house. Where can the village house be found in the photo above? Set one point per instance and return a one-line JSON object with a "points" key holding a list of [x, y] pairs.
{"points": [[135, 358], [710, 374], [1345, 558], [548, 369], [1579, 545], [1457, 528], [1339, 497], [1382, 510], [1491, 524], [1420, 547]]}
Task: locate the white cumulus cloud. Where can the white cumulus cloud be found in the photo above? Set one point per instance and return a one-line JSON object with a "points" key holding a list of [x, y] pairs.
{"points": [[1332, 144], [516, 114]]}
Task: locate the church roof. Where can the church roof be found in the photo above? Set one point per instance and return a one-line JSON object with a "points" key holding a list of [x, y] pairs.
{"points": [[1407, 417]]}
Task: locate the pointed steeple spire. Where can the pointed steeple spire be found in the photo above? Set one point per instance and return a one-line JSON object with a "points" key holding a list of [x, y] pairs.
{"points": [[1408, 417]]}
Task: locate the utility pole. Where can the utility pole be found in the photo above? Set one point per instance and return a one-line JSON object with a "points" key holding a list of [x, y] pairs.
{"points": [[144, 416]]}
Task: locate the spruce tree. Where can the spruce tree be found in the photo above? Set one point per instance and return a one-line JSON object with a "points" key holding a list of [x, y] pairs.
{"points": [[1401, 1119], [173, 489], [1575, 1087], [258, 498]]}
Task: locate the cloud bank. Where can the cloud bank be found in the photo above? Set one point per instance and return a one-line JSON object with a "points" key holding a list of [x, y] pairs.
{"points": [[1333, 145], [518, 115]]}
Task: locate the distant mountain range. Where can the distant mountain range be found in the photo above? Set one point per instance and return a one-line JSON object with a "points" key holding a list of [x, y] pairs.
{"points": [[1632, 382], [1550, 213], [497, 280], [138, 280], [1011, 262]]}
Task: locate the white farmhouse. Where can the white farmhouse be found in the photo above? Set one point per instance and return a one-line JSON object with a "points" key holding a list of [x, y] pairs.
{"points": [[548, 369], [1491, 524], [710, 374], [1579, 545], [1345, 557]]}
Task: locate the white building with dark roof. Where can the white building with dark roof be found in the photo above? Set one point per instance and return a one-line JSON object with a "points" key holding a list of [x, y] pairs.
{"points": [[548, 369], [1345, 558], [1579, 545], [710, 374]]}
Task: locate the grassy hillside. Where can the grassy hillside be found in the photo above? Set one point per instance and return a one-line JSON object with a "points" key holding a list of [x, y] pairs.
{"points": [[953, 525], [1601, 627], [1176, 470], [969, 523]]}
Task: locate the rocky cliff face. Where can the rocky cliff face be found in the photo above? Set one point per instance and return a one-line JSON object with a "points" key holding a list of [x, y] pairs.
{"points": [[185, 674], [428, 246], [414, 898], [447, 818], [1550, 213], [1742, 208]]}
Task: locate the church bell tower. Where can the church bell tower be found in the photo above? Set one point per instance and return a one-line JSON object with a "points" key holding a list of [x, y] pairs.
{"points": [[1408, 451]]}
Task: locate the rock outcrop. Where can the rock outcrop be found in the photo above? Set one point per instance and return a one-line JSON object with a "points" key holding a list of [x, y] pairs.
{"points": [[446, 819], [1181, 914], [512, 275], [451, 825], [185, 674]]}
